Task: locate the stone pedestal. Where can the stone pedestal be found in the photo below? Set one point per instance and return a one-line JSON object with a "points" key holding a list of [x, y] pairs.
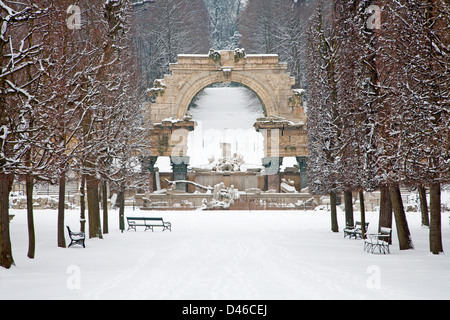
{"points": [[303, 163], [148, 165], [272, 167], [180, 169]]}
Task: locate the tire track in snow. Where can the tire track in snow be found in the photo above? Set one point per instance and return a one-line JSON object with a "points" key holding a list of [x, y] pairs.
{"points": [[96, 294], [321, 280], [235, 281], [148, 276]]}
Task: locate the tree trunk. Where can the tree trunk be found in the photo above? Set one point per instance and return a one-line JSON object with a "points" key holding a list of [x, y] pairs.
{"points": [[435, 219], [404, 236], [30, 218], [6, 257], [105, 206], [61, 208], [334, 221], [363, 213], [424, 206], [95, 229], [385, 220], [82, 205], [121, 200], [348, 200]]}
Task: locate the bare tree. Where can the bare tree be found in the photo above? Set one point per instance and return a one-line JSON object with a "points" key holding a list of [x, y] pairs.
{"points": [[277, 27], [163, 29], [63, 98], [324, 123], [18, 134], [417, 133]]}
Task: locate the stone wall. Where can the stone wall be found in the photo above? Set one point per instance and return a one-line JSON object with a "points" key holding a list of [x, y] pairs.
{"points": [[264, 200]]}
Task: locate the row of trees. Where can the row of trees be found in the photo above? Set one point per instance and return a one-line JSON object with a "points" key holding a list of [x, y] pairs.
{"points": [[68, 102], [74, 73], [378, 105]]}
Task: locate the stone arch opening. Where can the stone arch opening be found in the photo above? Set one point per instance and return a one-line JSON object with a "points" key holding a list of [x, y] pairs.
{"points": [[231, 85], [203, 81], [225, 114]]}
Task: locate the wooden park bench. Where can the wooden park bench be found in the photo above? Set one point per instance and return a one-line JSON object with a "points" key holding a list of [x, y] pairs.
{"points": [[148, 223], [76, 238], [379, 240], [355, 231]]}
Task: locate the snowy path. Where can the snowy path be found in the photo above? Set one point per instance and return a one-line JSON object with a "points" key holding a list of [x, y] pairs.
{"points": [[225, 256]]}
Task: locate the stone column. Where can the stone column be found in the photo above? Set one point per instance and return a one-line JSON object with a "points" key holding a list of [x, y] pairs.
{"points": [[303, 163], [148, 165], [272, 178], [179, 168]]}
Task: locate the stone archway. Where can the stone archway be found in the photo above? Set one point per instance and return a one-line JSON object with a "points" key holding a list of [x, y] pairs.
{"points": [[205, 80], [284, 128]]}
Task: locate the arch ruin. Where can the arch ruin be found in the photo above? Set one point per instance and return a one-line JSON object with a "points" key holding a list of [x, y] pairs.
{"points": [[284, 127]]}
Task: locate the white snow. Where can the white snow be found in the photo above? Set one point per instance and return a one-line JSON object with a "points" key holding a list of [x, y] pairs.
{"points": [[226, 115], [223, 255]]}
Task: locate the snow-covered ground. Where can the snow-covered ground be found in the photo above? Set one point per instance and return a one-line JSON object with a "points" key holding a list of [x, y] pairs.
{"points": [[224, 255]]}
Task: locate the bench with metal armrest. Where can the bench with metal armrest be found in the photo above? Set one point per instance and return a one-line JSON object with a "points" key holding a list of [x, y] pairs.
{"points": [[76, 238], [355, 231], [378, 241], [148, 223]]}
